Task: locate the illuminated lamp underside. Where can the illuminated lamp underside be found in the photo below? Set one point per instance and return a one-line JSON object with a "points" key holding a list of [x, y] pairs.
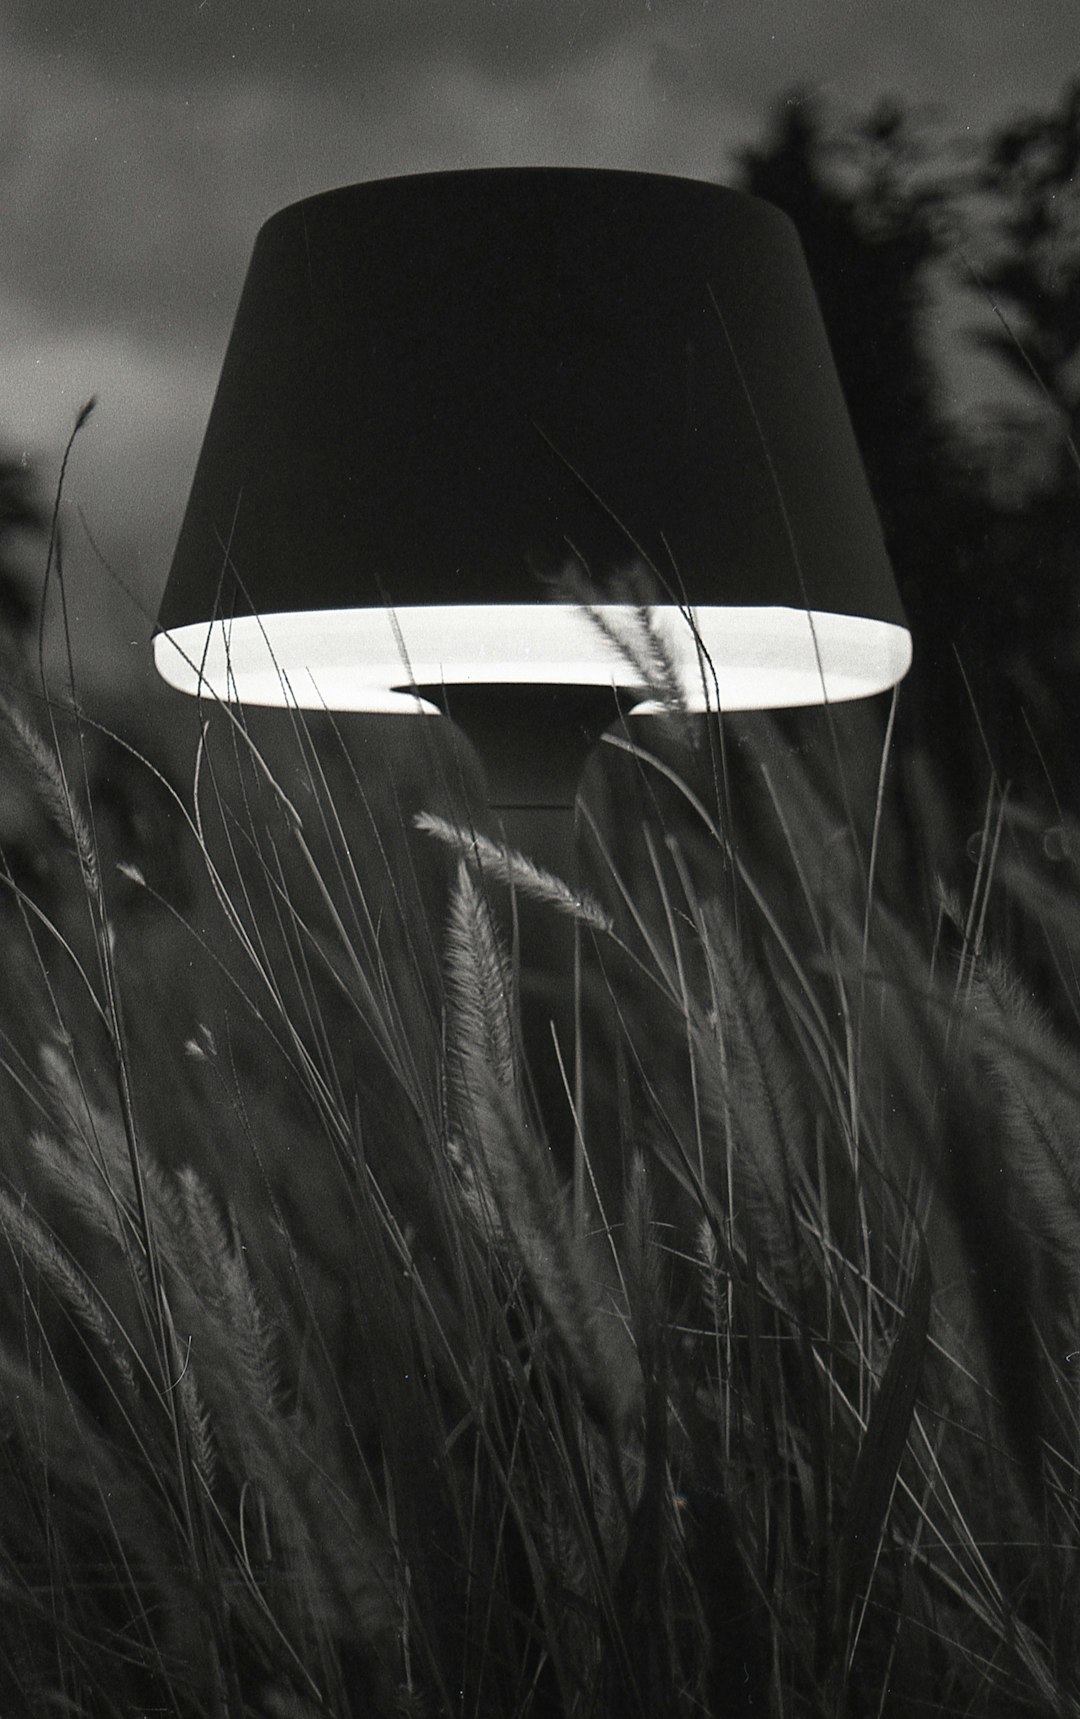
{"points": [[726, 658]]}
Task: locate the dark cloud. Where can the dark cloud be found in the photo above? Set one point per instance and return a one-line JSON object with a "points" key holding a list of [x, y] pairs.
{"points": [[210, 40], [143, 141], [114, 216], [131, 200], [977, 53]]}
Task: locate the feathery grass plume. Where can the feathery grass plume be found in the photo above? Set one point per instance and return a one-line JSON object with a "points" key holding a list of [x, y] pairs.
{"points": [[560, 1537], [516, 870], [533, 1229], [340, 1572], [747, 1086], [254, 1337], [478, 1039], [79, 1180], [222, 1281], [197, 1425], [95, 1137], [510, 1182], [57, 800], [111, 1584], [349, 1563], [640, 640], [714, 1286], [340, 1568], [59, 1443], [240, 1339], [640, 1255], [1038, 1082], [69, 1283], [479, 1023], [209, 1242], [624, 614]]}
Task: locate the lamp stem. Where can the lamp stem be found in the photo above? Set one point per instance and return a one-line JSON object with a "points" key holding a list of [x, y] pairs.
{"points": [[533, 743]]}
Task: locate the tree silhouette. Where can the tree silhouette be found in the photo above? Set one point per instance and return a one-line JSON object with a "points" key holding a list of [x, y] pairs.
{"points": [[870, 231], [1025, 261], [1031, 268], [985, 556], [22, 520], [874, 216], [21, 515]]}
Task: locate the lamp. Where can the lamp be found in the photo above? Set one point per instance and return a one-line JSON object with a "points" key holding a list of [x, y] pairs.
{"points": [[441, 390]]}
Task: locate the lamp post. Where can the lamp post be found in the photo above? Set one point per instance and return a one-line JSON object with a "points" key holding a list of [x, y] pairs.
{"points": [[442, 390]]}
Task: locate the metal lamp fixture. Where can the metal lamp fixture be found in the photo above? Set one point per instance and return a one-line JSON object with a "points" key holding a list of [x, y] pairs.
{"points": [[443, 390]]}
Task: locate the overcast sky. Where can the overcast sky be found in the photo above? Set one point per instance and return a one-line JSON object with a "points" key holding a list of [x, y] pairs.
{"points": [[142, 142]]}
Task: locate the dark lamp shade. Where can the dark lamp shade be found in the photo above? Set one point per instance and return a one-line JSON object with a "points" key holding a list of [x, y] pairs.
{"points": [[441, 392]]}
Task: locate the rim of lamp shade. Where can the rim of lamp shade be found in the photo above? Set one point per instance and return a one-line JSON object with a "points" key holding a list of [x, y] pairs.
{"points": [[442, 391]]}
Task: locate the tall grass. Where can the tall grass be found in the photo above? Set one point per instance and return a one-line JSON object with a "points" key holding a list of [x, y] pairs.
{"points": [[320, 1398]]}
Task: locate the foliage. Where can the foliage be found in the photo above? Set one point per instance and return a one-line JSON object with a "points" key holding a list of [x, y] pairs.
{"points": [[322, 1396], [1029, 172], [981, 513], [330, 1387], [21, 517]]}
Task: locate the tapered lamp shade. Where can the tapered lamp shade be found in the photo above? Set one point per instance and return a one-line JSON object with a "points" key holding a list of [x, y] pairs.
{"points": [[443, 392]]}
